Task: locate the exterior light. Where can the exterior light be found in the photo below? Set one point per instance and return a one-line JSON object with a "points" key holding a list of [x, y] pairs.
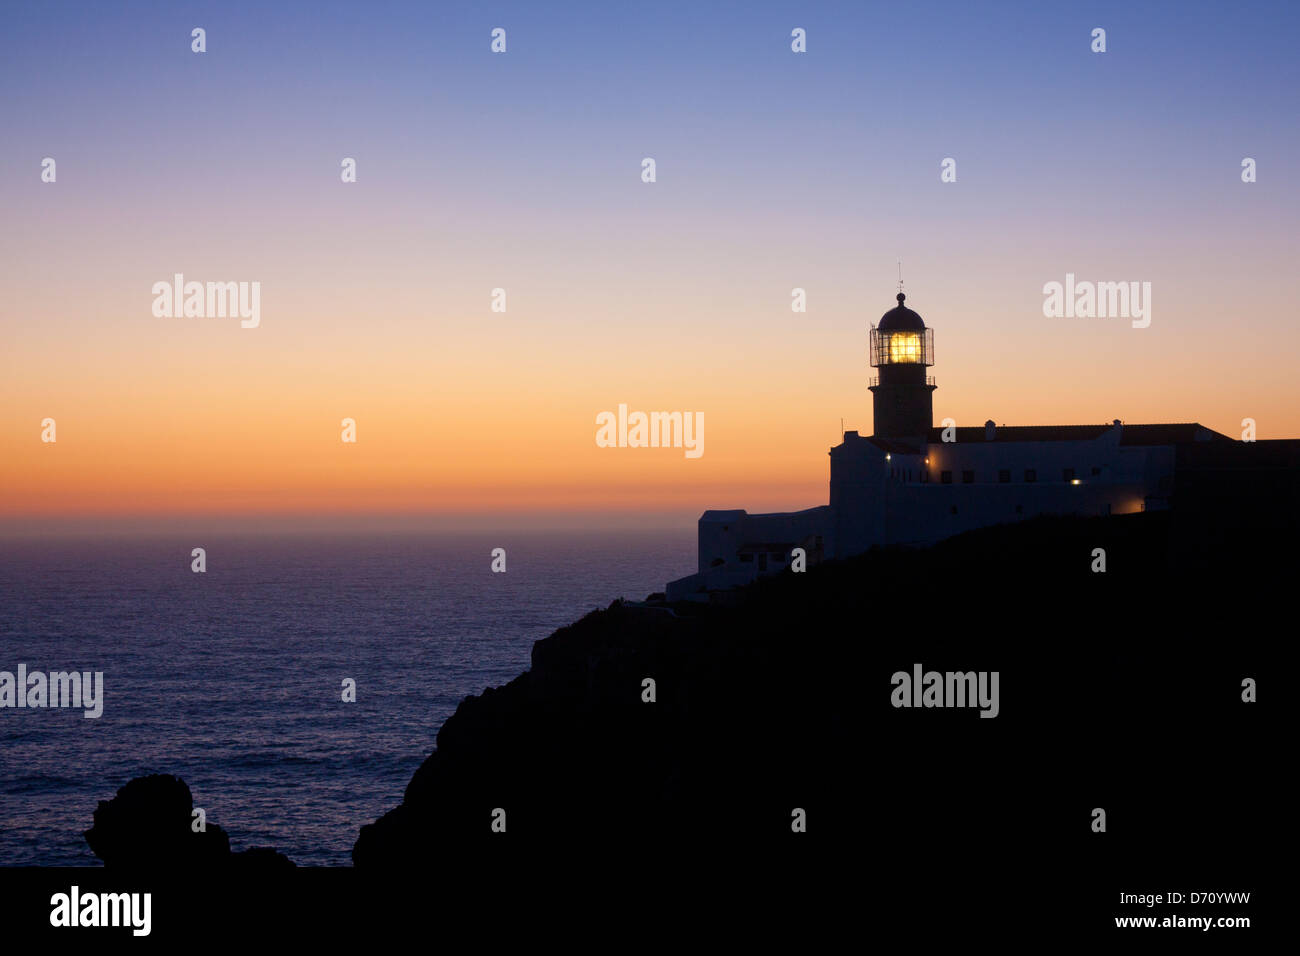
{"points": [[1074, 481], [889, 457]]}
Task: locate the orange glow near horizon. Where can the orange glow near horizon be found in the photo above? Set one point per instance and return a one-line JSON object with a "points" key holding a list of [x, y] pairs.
{"points": [[482, 413], [742, 283]]}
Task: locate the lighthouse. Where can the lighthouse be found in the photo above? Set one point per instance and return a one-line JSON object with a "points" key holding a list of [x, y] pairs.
{"points": [[913, 484], [902, 348]]}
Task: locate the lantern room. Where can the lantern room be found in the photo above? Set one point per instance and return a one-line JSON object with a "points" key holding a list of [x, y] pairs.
{"points": [[901, 338]]}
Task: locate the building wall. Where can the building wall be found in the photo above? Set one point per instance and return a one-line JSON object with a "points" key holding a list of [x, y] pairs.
{"points": [[881, 494], [925, 514], [723, 533], [879, 499], [859, 474]]}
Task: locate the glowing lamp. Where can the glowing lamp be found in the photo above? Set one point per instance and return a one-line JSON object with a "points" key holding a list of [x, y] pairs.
{"points": [[905, 347]]}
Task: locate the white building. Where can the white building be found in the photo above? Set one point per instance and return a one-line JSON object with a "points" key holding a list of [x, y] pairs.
{"points": [[911, 483]]}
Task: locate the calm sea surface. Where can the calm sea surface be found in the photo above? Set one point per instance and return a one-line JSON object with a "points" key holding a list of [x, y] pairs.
{"points": [[232, 679]]}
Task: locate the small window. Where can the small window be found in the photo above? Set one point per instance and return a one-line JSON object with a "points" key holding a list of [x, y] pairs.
{"points": [[1095, 471], [1031, 474], [1020, 509], [1004, 476], [925, 476], [747, 558], [1067, 474], [945, 477], [954, 509], [968, 477]]}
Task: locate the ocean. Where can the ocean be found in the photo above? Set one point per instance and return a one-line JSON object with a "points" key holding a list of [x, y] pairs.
{"points": [[233, 679]]}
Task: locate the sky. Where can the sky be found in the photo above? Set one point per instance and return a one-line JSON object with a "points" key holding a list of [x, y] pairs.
{"points": [[522, 170]]}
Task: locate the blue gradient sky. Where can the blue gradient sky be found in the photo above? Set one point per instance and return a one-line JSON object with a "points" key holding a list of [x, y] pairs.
{"points": [[774, 170]]}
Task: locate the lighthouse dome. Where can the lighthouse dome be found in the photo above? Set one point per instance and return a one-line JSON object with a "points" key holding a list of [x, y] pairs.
{"points": [[901, 319]]}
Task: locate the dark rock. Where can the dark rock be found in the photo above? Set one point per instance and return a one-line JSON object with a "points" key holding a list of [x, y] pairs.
{"points": [[780, 699], [148, 825]]}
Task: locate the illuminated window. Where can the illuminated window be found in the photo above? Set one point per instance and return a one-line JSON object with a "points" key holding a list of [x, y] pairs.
{"points": [[902, 347], [905, 347]]}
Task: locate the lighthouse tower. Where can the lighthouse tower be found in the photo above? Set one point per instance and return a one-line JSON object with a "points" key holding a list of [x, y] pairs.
{"points": [[903, 396]]}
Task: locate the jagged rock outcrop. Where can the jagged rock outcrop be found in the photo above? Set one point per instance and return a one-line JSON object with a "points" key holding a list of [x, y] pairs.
{"points": [[782, 701], [740, 733], [781, 704], [148, 825]]}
